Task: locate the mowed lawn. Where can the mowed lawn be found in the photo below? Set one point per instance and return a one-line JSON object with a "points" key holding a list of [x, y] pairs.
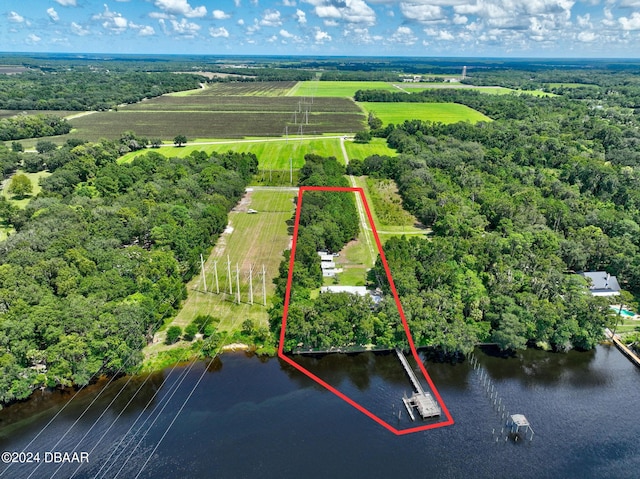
{"points": [[343, 89], [35, 182], [257, 239], [437, 112], [272, 154]]}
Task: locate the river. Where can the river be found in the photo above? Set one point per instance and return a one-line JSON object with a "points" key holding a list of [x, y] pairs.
{"points": [[251, 417]]}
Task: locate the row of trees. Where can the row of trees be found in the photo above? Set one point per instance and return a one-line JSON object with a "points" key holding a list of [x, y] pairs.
{"points": [[100, 258]]}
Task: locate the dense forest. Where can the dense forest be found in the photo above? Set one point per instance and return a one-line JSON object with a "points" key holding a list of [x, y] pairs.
{"points": [[516, 206], [32, 126], [87, 90], [100, 258]]}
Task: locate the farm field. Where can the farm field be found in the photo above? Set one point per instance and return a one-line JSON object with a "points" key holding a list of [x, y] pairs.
{"points": [[255, 239], [272, 153], [265, 89], [241, 104], [342, 89], [166, 125], [570, 85], [491, 90], [437, 112]]}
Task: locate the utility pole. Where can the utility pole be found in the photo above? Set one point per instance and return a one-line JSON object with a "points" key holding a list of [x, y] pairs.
{"points": [[264, 287], [251, 284], [215, 272], [204, 276], [238, 282], [291, 170], [229, 279]]}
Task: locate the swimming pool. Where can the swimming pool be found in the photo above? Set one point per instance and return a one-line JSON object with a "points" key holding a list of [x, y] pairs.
{"points": [[624, 312]]}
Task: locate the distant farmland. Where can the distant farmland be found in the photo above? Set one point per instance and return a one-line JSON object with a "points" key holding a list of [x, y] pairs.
{"points": [[341, 89], [437, 112]]}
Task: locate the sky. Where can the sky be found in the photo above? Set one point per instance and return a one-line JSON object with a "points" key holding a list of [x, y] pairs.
{"points": [[467, 28]]}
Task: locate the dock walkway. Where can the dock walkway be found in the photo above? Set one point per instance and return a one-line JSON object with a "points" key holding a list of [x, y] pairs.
{"points": [[426, 405], [623, 347]]}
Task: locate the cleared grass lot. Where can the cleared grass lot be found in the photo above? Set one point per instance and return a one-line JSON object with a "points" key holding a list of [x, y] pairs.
{"points": [[35, 182], [437, 112], [256, 239], [377, 146]]}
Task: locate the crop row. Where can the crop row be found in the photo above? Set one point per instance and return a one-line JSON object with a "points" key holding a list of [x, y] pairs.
{"points": [[244, 104], [166, 125]]}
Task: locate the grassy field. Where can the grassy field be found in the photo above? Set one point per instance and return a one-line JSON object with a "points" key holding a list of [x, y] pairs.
{"points": [[272, 154], [377, 146], [265, 89], [384, 199], [257, 240], [35, 181], [342, 89], [437, 112], [490, 90], [570, 85]]}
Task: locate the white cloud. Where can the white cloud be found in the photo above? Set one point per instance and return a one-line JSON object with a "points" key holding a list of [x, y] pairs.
{"points": [[351, 11], [301, 16], [241, 22], [181, 7], [286, 34], [403, 35], [159, 15], [460, 19], [631, 23], [32, 38], [587, 36], [185, 28], [219, 32], [271, 18], [289, 3], [112, 21], [15, 17], [220, 15], [79, 29], [53, 15], [67, 3], [237, 3], [321, 36], [330, 23], [421, 13], [146, 31]]}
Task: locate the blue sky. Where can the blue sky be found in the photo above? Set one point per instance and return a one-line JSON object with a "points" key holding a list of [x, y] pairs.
{"points": [[531, 28]]}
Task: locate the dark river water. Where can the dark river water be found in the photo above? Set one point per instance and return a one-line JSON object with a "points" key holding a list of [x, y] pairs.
{"points": [[263, 419]]}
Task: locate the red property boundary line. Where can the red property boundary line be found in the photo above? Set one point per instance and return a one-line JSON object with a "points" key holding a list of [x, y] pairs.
{"points": [[414, 352]]}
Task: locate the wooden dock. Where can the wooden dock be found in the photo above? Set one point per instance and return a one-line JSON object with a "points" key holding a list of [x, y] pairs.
{"points": [[426, 405], [623, 347]]}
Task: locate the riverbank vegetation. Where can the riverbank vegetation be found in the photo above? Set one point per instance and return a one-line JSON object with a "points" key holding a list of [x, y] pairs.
{"points": [[99, 260]]}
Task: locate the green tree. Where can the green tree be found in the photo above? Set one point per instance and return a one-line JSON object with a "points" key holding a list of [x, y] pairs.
{"points": [[362, 137], [17, 147], [45, 146], [173, 334], [180, 140], [20, 186], [156, 142]]}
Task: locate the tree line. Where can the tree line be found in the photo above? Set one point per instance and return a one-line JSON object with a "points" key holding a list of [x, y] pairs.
{"points": [[32, 126], [87, 90]]}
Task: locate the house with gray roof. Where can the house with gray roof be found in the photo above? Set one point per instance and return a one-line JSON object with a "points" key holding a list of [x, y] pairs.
{"points": [[602, 283]]}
